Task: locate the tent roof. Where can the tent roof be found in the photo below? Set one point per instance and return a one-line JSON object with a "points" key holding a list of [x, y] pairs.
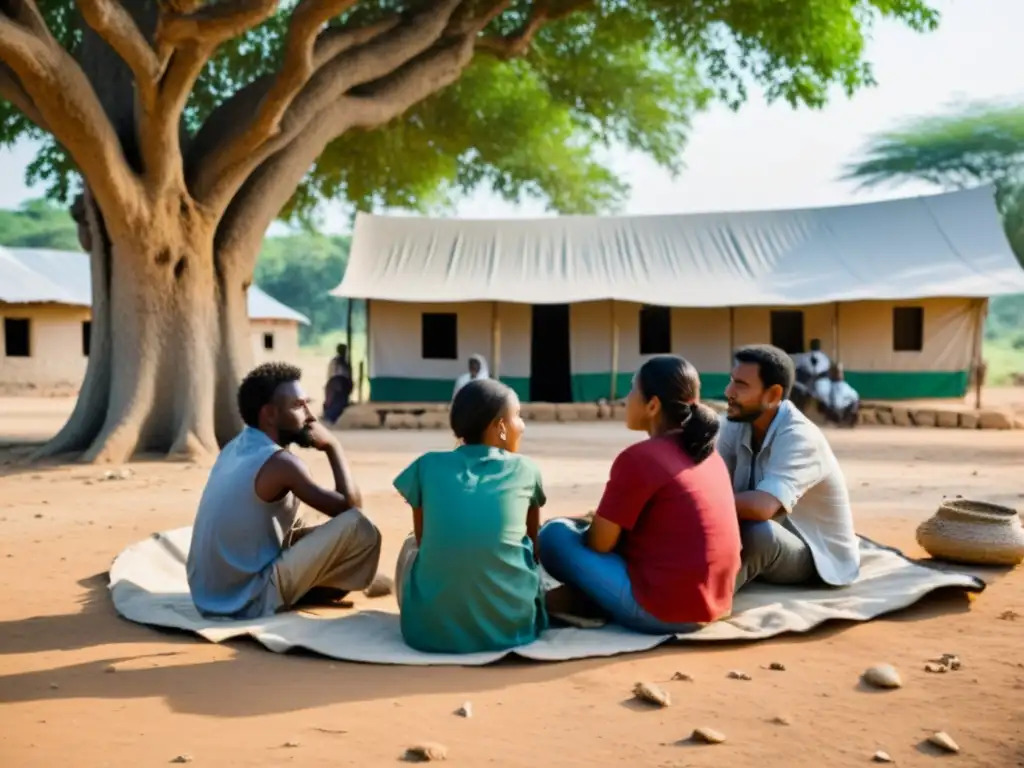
{"points": [[42, 276], [950, 244]]}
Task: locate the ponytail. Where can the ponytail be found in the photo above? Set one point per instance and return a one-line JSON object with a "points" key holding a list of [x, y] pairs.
{"points": [[700, 428]]}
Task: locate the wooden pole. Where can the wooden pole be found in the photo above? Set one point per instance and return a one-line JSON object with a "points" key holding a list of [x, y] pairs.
{"points": [[615, 353], [369, 353], [977, 362], [732, 336], [835, 332], [495, 341]]}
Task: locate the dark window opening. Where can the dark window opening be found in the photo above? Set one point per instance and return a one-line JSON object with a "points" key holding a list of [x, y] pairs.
{"points": [[17, 337], [655, 331], [268, 341], [907, 329], [86, 337], [550, 359], [788, 330], [440, 336]]}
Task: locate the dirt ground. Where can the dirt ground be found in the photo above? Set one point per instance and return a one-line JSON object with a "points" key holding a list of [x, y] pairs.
{"points": [[81, 687]]}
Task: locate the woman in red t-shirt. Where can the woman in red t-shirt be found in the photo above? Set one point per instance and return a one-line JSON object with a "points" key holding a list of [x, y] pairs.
{"points": [[662, 552]]}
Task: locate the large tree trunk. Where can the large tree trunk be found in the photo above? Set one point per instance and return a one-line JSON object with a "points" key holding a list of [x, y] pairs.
{"points": [[169, 344]]}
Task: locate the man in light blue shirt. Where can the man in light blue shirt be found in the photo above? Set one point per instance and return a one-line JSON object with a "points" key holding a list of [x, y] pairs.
{"points": [[796, 522]]}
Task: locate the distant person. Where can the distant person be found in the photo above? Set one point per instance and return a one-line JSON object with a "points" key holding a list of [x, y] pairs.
{"points": [[812, 365], [662, 551], [477, 370], [790, 493], [338, 390], [251, 553], [840, 402], [467, 579]]}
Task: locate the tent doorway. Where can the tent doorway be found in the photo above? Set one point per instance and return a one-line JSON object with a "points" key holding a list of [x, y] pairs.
{"points": [[550, 370]]}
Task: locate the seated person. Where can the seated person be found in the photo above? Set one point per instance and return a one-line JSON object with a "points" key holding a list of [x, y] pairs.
{"points": [[467, 578], [663, 549], [839, 401], [477, 370], [791, 497], [251, 553], [812, 366]]}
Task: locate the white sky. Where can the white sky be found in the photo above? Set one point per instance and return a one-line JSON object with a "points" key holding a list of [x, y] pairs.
{"points": [[775, 157]]}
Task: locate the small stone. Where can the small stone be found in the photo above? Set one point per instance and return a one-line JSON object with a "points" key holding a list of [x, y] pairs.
{"points": [[110, 669], [652, 693], [427, 751], [777, 666], [682, 676], [736, 674], [944, 741], [782, 720], [38, 516], [381, 586], [882, 757], [182, 759], [883, 676], [1009, 615], [950, 660], [466, 710], [935, 668], [290, 744], [708, 736], [54, 686]]}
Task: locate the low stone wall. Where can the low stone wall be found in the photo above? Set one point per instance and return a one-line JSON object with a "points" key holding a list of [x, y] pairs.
{"points": [[435, 415]]}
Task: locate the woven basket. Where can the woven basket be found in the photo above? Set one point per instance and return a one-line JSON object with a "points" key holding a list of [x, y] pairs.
{"points": [[973, 532]]}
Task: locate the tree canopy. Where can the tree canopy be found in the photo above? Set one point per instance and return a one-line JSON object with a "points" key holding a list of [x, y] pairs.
{"points": [[554, 84], [965, 147]]}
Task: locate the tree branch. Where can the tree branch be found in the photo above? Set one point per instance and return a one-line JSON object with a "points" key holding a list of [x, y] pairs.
{"points": [[517, 44], [66, 103], [114, 24], [12, 90], [260, 201], [215, 23], [379, 57]]}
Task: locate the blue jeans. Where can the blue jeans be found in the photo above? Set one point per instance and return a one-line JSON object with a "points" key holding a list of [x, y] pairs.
{"points": [[602, 577]]}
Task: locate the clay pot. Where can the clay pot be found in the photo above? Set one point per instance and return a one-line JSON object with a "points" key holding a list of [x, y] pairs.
{"points": [[973, 532]]}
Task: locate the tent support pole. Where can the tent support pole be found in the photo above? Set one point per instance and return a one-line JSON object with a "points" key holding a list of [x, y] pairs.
{"points": [[612, 394], [977, 363], [732, 336], [369, 354], [835, 333], [495, 341]]}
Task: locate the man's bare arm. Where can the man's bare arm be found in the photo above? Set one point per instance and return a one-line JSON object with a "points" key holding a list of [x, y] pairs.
{"points": [[344, 482], [757, 505], [285, 472]]}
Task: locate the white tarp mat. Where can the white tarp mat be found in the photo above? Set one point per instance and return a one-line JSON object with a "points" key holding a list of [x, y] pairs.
{"points": [[148, 585]]}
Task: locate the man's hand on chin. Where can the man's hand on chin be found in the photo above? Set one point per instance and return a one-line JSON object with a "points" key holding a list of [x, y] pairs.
{"points": [[320, 437]]}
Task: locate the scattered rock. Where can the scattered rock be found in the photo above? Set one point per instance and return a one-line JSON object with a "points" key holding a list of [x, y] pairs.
{"points": [[111, 669], [948, 662], [782, 720], [38, 516], [708, 736], [777, 666], [290, 744], [944, 741], [466, 710], [332, 731], [117, 474], [54, 686], [427, 751], [881, 757], [652, 693], [682, 676], [883, 676], [1009, 615], [736, 674], [935, 668], [381, 586], [182, 759]]}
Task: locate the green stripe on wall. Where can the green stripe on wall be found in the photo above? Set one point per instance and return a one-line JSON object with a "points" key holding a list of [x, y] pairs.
{"points": [[908, 385], [590, 387]]}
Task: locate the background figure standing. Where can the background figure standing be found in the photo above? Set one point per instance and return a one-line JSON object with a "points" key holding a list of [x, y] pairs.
{"points": [[477, 370], [338, 390]]}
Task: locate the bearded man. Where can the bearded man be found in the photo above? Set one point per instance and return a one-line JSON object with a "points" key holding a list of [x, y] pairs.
{"points": [[252, 553], [791, 496]]}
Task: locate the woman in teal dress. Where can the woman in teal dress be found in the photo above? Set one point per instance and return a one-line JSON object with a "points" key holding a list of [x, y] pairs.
{"points": [[467, 578]]}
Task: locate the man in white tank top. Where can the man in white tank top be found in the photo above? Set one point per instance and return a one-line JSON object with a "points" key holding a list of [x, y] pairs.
{"points": [[251, 553]]}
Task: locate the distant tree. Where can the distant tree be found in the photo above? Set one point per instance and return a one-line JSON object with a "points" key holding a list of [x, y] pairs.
{"points": [[299, 270], [39, 224], [981, 144]]}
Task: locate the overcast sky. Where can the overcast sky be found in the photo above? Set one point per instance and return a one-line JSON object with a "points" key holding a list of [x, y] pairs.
{"points": [[775, 157]]}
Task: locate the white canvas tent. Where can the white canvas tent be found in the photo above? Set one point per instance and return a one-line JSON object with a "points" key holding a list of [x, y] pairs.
{"points": [[566, 308]]}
